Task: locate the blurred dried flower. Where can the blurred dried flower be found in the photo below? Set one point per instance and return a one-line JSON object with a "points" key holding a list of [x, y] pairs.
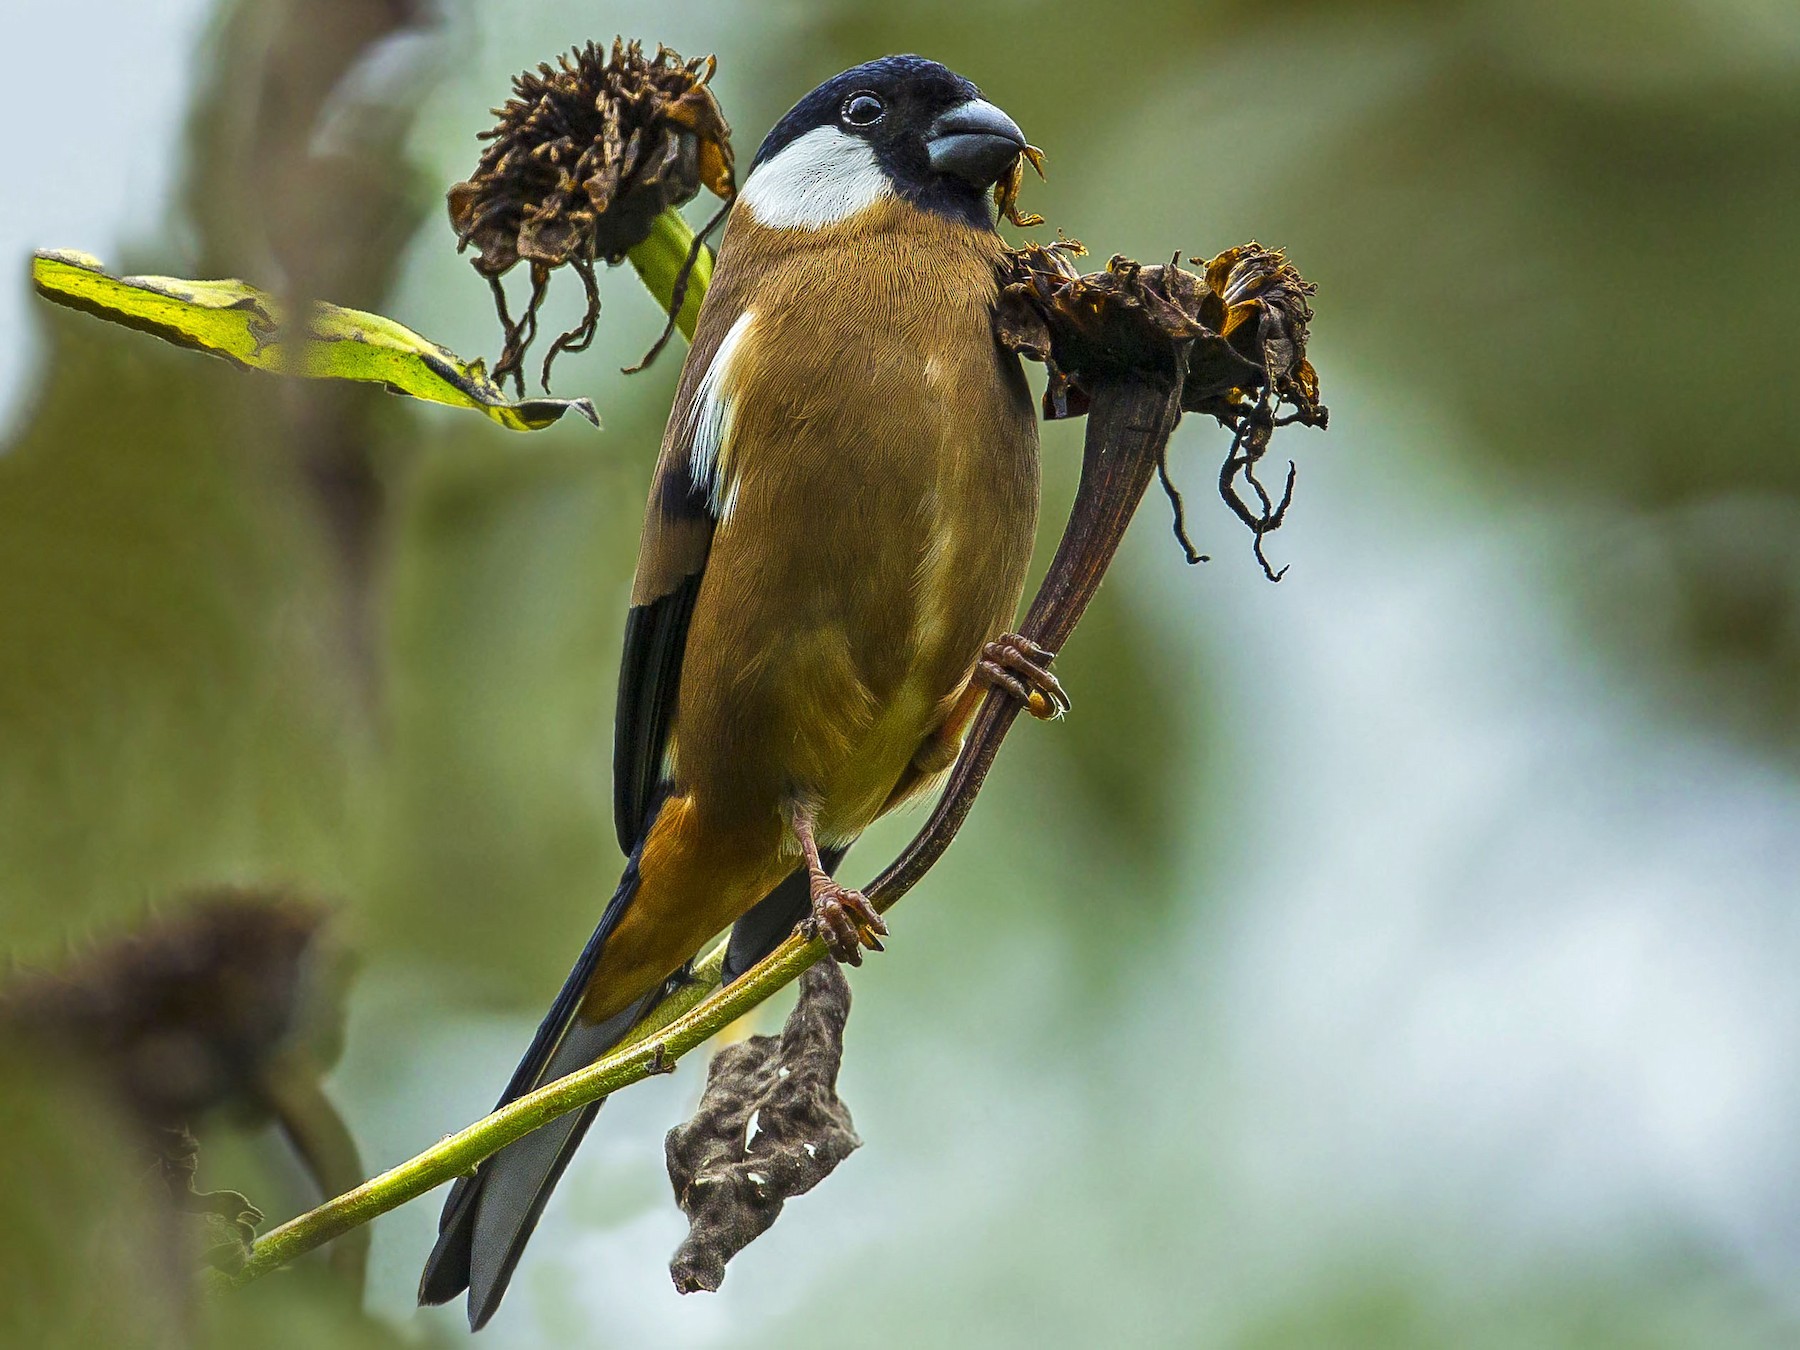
{"points": [[184, 1015], [196, 1011], [585, 155]]}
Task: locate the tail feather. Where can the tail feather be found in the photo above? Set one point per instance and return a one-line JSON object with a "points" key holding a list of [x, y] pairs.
{"points": [[489, 1216], [518, 1180]]}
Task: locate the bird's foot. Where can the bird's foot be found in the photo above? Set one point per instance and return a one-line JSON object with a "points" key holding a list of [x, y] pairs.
{"points": [[1022, 668], [844, 919]]}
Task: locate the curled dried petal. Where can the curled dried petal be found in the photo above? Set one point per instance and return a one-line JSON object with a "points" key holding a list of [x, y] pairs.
{"points": [[1006, 191]]}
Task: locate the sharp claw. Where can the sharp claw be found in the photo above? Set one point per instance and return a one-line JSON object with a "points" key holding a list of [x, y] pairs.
{"points": [[845, 921], [1020, 667]]}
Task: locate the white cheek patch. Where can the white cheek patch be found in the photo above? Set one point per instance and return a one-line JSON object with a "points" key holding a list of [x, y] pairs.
{"points": [[816, 180], [709, 420]]}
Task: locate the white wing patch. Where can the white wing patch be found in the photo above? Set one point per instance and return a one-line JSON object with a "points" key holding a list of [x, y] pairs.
{"points": [[709, 423], [815, 180]]}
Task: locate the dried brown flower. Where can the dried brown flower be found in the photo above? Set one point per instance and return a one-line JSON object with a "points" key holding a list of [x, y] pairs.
{"points": [[1240, 327], [584, 157], [194, 1012]]}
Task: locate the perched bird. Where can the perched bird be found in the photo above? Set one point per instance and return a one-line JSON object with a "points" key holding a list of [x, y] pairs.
{"points": [[835, 544]]}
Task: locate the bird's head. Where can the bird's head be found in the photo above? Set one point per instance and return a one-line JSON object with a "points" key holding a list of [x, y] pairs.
{"points": [[901, 126]]}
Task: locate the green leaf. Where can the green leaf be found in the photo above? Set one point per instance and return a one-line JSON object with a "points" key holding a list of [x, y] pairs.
{"points": [[233, 320]]}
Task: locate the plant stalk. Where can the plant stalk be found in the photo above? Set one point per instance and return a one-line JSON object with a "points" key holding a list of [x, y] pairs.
{"points": [[658, 261]]}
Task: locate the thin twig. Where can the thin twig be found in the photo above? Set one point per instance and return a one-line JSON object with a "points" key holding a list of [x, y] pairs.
{"points": [[521, 335], [681, 288], [1249, 443], [1194, 555], [581, 336]]}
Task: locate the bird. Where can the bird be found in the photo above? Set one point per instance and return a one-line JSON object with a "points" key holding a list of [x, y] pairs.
{"points": [[834, 547]]}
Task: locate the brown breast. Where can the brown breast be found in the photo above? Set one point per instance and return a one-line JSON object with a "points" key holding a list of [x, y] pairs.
{"points": [[882, 466]]}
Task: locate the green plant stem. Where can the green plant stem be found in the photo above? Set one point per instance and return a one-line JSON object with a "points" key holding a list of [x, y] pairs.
{"points": [[655, 1051], [325, 1146], [658, 261]]}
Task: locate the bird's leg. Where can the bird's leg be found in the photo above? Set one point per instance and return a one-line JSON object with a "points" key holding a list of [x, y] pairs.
{"points": [[1022, 668], [843, 918]]}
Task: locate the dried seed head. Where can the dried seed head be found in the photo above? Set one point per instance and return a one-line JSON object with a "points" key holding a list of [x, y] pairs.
{"points": [[1239, 331], [183, 1015], [584, 157]]}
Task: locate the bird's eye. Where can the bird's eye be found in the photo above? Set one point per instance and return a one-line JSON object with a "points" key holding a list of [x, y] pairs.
{"points": [[862, 110]]}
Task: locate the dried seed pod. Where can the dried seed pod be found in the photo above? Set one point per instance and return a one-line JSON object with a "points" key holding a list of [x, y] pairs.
{"points": [[769, 1127], [584, 157]]}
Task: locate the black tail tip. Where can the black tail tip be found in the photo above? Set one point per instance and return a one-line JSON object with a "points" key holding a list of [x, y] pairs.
{"points": [[446, 1271], [440, 1285], [481, 1311], [436, 1287], [444, 1284]]}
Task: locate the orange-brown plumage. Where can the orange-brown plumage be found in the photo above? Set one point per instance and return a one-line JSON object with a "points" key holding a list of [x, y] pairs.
{"points": [[884, 508]]}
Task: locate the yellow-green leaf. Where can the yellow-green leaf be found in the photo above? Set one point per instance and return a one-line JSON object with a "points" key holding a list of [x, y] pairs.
{"points": [[233, 320]]}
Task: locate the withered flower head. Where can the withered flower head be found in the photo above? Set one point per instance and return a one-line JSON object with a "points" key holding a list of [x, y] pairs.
{"points": [[1236, 333], [585, 155]]}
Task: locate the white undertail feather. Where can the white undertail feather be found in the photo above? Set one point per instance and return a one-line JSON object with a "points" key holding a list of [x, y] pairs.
{"points": [[815, 180]]}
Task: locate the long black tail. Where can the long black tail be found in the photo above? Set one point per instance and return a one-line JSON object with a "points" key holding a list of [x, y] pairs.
{"points": [[490, 1215]]}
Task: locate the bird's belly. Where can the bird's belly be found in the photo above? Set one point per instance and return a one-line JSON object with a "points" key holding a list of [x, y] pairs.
{"points": [[861, 782], [854, 655], [874, 534], [877, 690]]}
